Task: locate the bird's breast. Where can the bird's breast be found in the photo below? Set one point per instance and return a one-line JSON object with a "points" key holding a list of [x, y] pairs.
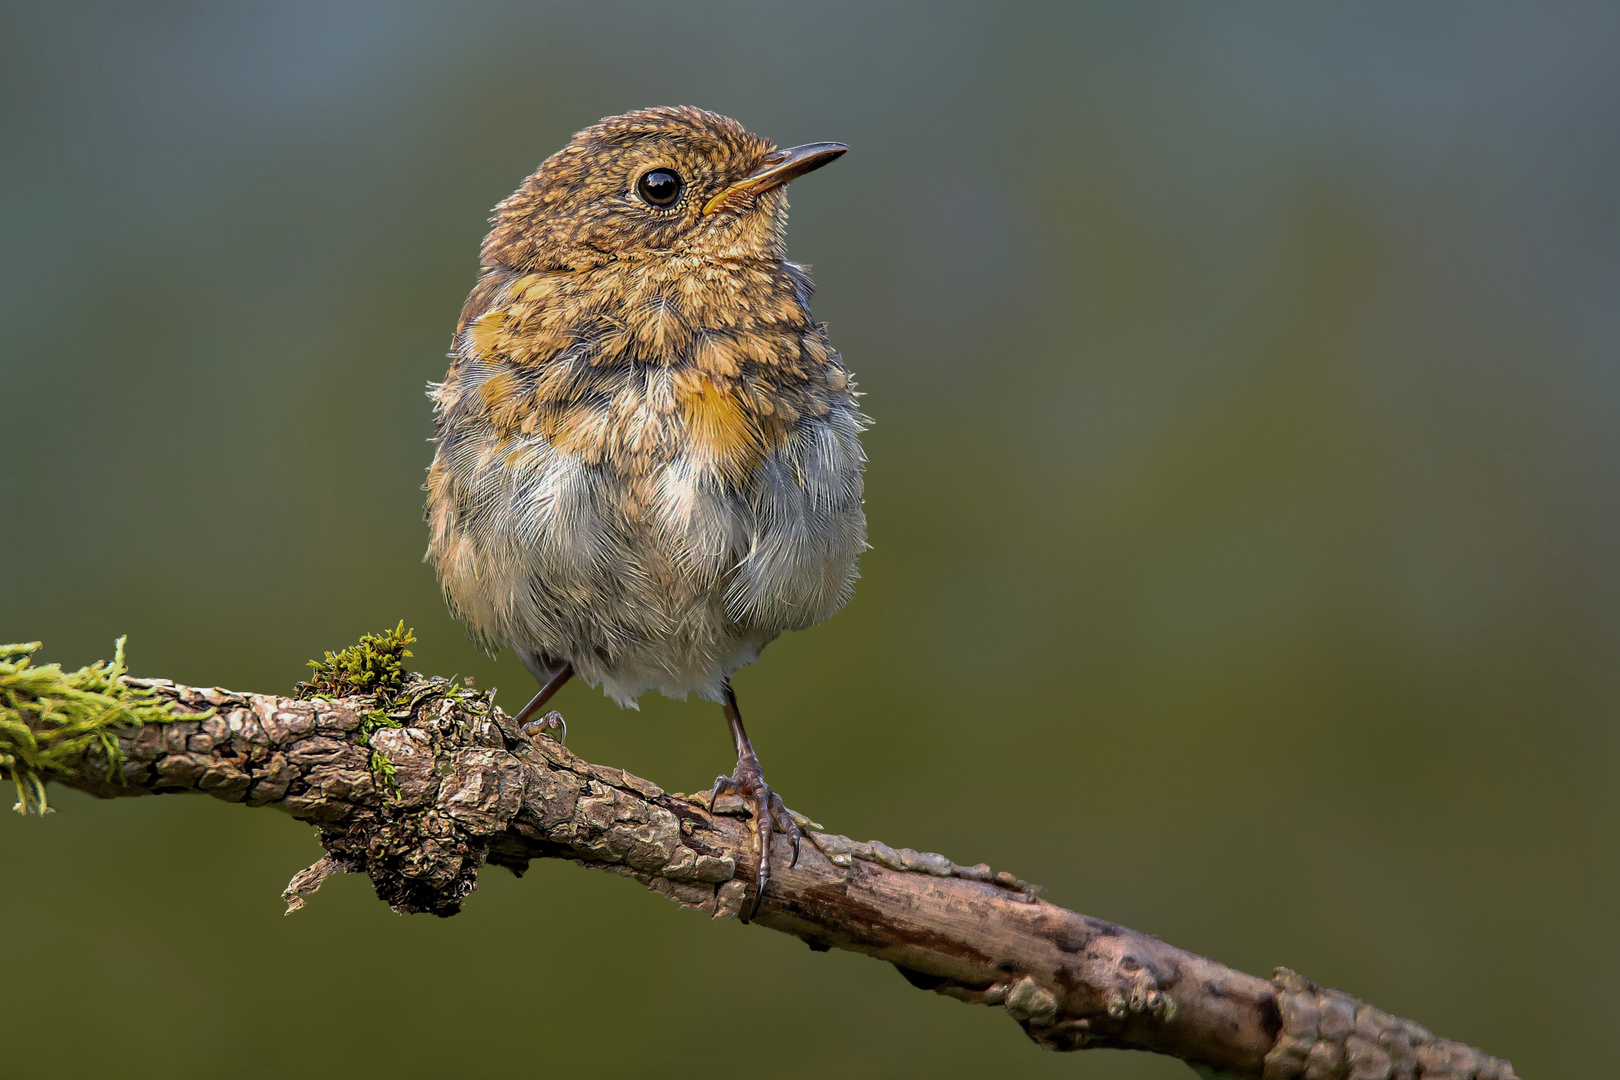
{"points": [[643, 450], [628, 371], [635, 420]]}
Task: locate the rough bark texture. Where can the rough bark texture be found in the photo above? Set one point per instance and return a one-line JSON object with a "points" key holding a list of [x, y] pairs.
{"points": [[419, 807]]}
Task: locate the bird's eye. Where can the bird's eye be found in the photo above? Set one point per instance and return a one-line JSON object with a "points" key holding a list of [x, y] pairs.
{"points": [[661, 187]]}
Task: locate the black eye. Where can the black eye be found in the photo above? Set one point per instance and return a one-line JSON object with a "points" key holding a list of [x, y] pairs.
{"points": [[661, 187]]}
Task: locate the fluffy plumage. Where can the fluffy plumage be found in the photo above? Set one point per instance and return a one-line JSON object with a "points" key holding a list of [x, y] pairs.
{"points": [[647, 460]]}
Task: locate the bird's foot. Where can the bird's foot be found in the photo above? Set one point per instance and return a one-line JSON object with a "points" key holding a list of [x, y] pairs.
{"points": [[771, 815], [552, 721]]}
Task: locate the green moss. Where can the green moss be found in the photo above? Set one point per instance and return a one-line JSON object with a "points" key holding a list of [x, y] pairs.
{"points": [[384, 768], [370, 722], [375, 666], [49, 717]]}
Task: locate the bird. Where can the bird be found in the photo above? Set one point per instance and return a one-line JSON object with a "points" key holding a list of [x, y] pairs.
{"points": [[647, 458]]}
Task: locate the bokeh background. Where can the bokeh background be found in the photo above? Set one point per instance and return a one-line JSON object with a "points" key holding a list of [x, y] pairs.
{"points": [[1242, 499]]}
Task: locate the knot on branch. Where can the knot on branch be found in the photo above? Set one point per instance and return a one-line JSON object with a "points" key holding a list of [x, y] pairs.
{"points": [[438, 782], [417, 814], [451, 785], [1125, 991], [1329, 1035], [1025, 1000]]}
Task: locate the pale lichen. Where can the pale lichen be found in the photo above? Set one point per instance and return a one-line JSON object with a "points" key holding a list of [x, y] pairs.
{"points": [[50, 717]]}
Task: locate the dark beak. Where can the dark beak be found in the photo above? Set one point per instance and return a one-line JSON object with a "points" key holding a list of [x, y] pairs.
{"points": [[780, 167]]}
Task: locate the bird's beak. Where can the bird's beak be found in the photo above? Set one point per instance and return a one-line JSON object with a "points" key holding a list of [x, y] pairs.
{"points": [[780, 167]]}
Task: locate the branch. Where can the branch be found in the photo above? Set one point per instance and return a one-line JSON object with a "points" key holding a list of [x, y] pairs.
{"points": [[420, 788]]}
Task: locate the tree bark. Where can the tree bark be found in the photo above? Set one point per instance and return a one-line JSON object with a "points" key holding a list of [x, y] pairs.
{"points": [[420, 806]]}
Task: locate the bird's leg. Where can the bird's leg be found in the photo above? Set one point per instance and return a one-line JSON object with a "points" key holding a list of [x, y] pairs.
{"points": [[550, 720], [768, 809]]}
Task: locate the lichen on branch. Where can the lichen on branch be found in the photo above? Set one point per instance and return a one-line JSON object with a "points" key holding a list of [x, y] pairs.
{"points": [[50, 717]]}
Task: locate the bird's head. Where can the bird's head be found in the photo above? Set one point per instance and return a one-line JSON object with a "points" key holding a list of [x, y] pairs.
{"points": [[668, 181]]}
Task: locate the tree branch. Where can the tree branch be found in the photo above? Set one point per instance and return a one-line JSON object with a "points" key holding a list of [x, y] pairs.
{"points": [[420, 794]]}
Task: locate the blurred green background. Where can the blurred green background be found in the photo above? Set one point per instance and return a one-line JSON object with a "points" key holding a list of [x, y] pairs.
{"points": [[1242, 500]]}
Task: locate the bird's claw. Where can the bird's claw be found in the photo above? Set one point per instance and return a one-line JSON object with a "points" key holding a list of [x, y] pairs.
{"points": [[770, 814], [552, 721]]}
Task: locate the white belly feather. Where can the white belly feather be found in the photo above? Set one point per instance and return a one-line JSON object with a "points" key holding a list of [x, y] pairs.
{"points": [[669, 580]]}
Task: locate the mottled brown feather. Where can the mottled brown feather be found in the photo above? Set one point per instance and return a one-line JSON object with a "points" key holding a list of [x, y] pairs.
{"points": [[647, 458]]}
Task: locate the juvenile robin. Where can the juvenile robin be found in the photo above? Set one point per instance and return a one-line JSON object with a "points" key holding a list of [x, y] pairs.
{"points": [[647, 457]]}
